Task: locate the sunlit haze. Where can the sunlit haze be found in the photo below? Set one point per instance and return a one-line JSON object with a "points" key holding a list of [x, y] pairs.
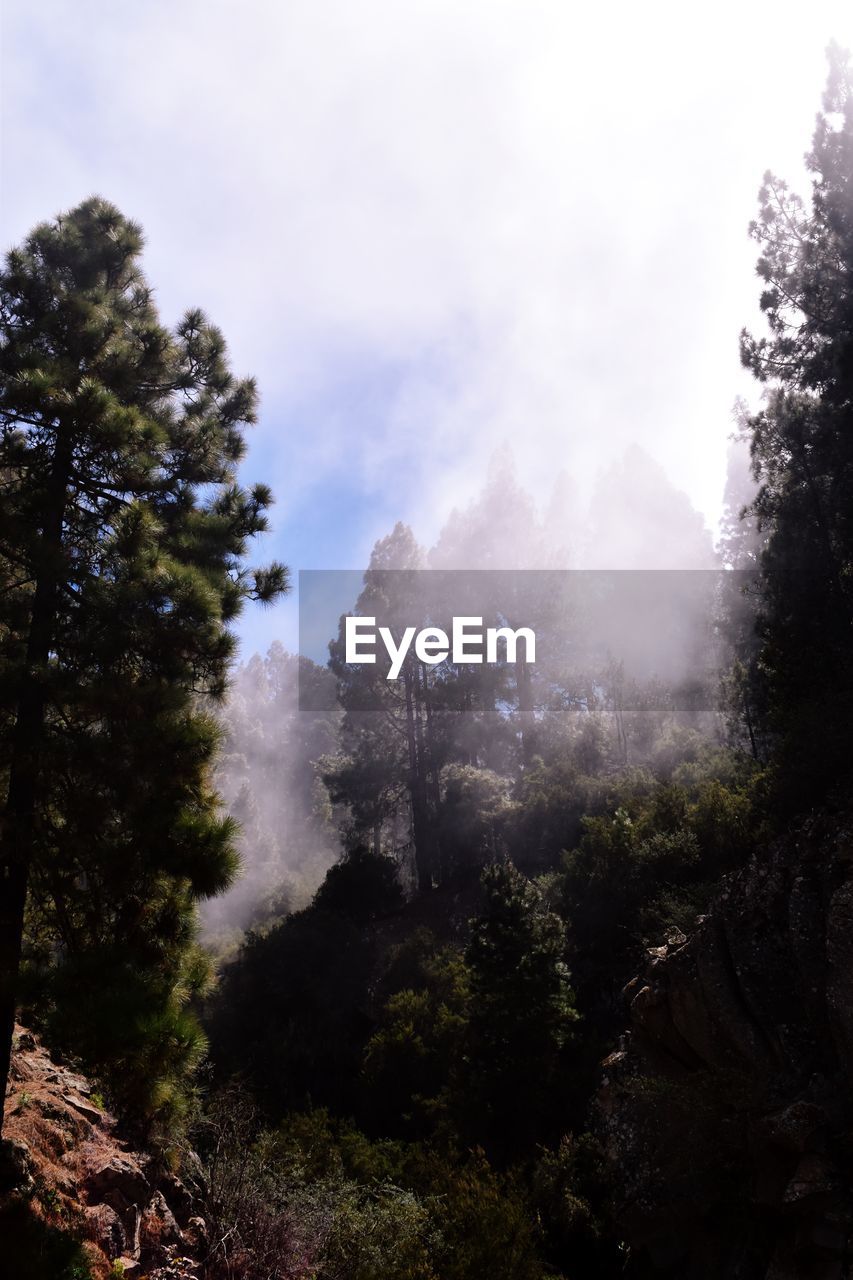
{"points": [[432, 230]]}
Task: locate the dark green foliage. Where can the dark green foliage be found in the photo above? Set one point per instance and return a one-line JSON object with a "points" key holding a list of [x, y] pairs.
{"points": [[570, 1191], [283, 1206], [552, 802], [318, 1192], [479, 1218], [474, 817], [620, 864], [802, 450], [521, 1014], [650, 867], [442, 1048], [360, 887], [130, 1022], [485, 1222], [122, 543], [290, 1015], [413, 1059]]}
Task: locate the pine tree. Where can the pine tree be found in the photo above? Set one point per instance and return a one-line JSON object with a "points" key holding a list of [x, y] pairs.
{"points": [[522, 1010], [802, 449], [122, 542], [388, 769]]}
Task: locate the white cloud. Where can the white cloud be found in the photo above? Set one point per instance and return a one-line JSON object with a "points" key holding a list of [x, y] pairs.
{"points": [[537, 212]]}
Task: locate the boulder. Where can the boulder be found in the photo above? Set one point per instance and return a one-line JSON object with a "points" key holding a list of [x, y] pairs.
{"points": [[93, 1114], [105, 1227], [17, 1166], [158, 1227], [118, 1173], [177, 1196], [197, 1235]]}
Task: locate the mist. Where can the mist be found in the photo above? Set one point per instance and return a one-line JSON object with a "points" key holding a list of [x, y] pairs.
{"points": [[627, 646], [268, 781], [430, 233], [488, 268], [513, 940]]}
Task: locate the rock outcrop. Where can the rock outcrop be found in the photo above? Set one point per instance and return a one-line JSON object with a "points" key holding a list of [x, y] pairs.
{"points": [[65, 1159], [728, 1109]]}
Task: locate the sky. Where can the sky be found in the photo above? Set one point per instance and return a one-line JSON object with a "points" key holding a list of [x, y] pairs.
{"points": [[431, 230]]}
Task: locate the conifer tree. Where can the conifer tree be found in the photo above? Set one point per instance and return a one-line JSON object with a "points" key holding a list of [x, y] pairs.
{"points": [[389, 761], [122, 541], [522, 1011], [802, 449]]}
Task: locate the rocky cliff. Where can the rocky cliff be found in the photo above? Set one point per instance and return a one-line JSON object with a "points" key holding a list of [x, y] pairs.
{"points": [[728, 1109], [66, 1172]]}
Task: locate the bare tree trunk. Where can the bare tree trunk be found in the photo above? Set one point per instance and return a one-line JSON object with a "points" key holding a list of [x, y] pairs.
{"points": [[525, 711], [417, 791], [435, 781], [749, 726]]}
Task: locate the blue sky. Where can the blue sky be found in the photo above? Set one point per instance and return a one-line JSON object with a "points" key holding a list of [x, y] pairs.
{"points": [[431, 228]]}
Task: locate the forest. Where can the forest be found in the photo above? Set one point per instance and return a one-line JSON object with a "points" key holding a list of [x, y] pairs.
{"points": [[514, 970]]}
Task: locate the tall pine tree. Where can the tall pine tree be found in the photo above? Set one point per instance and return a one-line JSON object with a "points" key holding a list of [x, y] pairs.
{"points": [[122, 541], [802, 449]]}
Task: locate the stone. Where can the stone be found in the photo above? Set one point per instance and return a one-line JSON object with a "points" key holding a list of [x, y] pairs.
{"points": [[16, 1165], [795, 1126], [119, 1173], [196, 1233], [104, 1226], [158, 1226], [93, 1114], [178, 1197]]}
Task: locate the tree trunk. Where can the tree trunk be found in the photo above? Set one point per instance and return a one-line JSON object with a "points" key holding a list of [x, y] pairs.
{"points": [[18, 834], [417, 791], [434, 780], [749, 725], [526, 717]]}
